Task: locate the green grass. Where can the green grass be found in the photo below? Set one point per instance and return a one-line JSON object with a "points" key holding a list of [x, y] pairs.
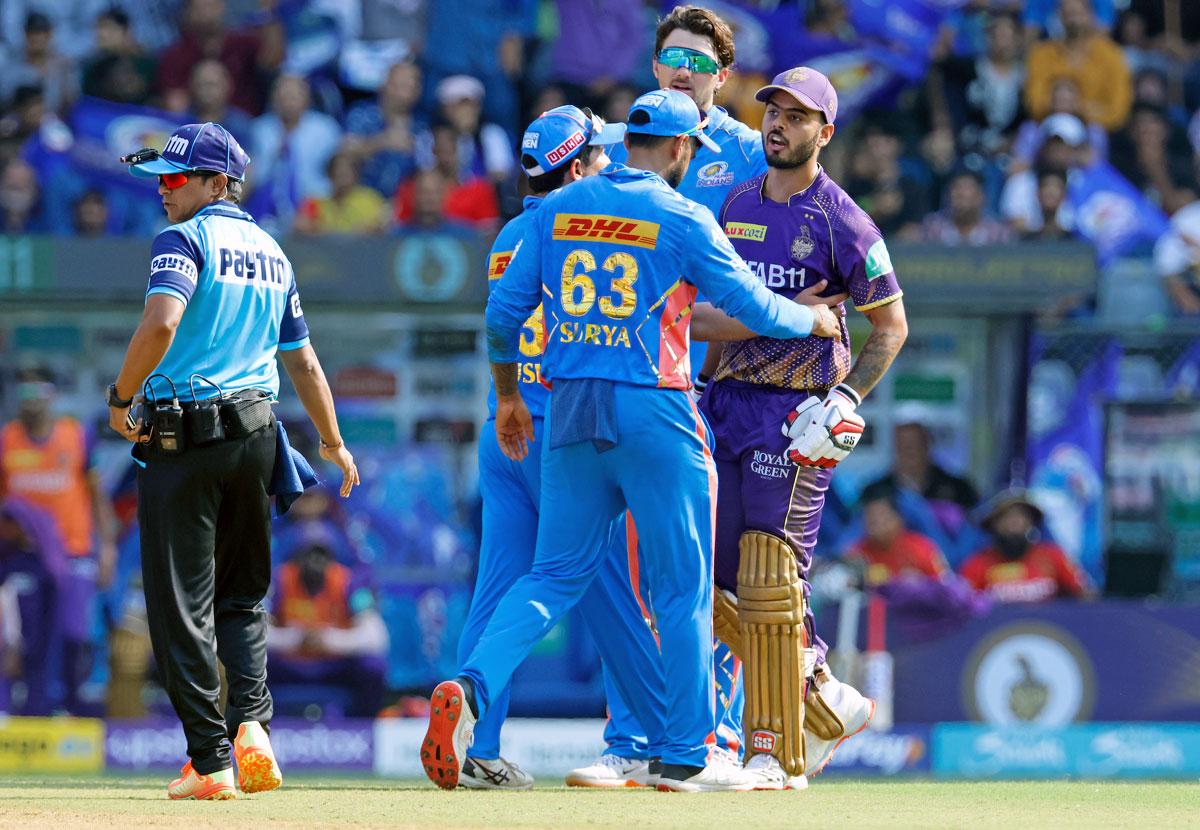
{"points": [[59, 803]]}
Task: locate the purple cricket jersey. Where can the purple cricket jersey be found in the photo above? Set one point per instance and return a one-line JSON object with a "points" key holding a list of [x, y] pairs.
{"points": [[819, 234]]}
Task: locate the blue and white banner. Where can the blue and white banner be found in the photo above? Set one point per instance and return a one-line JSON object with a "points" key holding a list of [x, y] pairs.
{"points": [[1099, 750]]}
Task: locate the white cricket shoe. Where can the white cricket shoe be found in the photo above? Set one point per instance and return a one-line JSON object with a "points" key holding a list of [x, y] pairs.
{"points": [[497, 774], [772, 776], [852, 707], [611, 771], [717, 776]]}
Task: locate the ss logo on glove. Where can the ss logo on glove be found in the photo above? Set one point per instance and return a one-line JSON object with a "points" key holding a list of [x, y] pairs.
{"points": [[824, 432]]}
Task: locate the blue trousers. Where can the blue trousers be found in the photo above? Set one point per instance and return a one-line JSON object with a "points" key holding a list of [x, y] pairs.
{"points": [[610, 607], [662, 472]]}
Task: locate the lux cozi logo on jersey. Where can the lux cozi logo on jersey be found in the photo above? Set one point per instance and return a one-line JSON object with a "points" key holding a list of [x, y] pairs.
{"points": [[595, 227], [237, 265], [746, 230]]}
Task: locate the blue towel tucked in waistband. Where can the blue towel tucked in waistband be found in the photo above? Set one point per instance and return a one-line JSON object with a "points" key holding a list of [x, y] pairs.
{"points": [[583, 409], [292, 474]]}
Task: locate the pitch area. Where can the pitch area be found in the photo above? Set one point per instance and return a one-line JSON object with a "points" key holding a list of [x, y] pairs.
{"points": [[309, 802]]}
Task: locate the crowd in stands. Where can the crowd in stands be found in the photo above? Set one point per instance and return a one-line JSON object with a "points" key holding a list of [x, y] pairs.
{"points": [[71, 608], [368, 118]]}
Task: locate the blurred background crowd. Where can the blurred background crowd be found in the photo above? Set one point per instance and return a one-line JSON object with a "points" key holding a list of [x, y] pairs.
{"points": [[963, 123], [982, 122]]}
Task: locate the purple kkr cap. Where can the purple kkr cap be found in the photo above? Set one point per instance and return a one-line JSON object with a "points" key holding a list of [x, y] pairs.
{"points": [[808, 86], [206, 146]]}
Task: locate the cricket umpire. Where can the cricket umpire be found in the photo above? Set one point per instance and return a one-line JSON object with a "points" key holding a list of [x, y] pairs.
{"points": [[221, 302]]}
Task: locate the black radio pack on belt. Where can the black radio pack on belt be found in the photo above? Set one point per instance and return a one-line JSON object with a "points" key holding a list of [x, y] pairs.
{"points": [[203, 418], [173, 427], [165, 418]]}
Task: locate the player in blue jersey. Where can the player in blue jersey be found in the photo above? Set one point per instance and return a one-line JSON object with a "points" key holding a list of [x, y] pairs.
{"points": [[693, 53], [617, 260], [221, 304], [561, 146]]}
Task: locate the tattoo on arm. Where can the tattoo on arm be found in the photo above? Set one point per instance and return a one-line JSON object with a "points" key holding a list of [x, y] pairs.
{"points": [[877, 355], [505, 376]]}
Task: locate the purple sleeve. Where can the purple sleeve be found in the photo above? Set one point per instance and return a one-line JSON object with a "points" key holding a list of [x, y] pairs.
{"points": [[175, 262], [293, 330], [866, 265]]}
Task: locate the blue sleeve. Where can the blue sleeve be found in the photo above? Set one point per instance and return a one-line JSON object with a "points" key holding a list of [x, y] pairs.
{"points": [[293, 330], [515, 297], [175, 263], [723, 277]]}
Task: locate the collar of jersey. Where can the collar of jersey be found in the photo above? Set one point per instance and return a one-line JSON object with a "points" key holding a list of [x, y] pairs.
{"points": [[717, 116], [531, 202], [616, 170], [224, 208], [762, 186]]}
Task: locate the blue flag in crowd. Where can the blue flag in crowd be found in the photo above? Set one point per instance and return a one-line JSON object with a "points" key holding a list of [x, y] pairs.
{"points": [[1066, 447], [1112, 214]]}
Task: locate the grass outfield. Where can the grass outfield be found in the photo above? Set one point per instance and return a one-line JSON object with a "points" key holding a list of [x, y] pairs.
{"points": [[59, 803]]}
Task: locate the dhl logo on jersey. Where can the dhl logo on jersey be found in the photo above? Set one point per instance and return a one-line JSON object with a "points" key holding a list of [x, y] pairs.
{"points": [[745, 230], [600, 228], [497, 263]]}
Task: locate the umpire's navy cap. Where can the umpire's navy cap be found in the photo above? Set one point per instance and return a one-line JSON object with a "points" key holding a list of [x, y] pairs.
{"points": [[206, 146]]}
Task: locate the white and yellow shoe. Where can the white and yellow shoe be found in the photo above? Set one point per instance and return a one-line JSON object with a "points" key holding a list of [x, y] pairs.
{"points": [[258, 771], [216, 786]]}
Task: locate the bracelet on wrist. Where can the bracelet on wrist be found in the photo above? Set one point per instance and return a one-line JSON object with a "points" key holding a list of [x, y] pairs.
{"points": [[333, 446]]}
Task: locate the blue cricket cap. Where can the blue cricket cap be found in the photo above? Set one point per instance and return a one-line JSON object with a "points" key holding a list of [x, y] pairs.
{"points": [[669, 112], [206, 146], [556, 136]]}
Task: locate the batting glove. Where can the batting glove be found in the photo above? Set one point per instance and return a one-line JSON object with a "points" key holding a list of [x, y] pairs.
{"points": [[824, 432]]}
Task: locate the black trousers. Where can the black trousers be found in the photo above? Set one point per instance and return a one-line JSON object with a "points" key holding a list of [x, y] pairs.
{"points": [[204, 517]]}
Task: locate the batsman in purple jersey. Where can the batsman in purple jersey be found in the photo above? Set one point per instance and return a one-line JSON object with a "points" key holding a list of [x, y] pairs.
{"points": [[783, 414], [818, 234]]}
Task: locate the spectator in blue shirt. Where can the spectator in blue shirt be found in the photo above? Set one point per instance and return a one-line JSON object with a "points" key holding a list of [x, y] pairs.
{"points": [[383, 131]]}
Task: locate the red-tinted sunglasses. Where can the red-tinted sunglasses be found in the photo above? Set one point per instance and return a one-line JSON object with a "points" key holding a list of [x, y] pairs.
{"points": [[173, 181]]}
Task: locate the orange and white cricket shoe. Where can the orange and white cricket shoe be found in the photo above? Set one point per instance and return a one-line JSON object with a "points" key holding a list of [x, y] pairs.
{"points": [[258, 771], [216, 786], [450, 734]]}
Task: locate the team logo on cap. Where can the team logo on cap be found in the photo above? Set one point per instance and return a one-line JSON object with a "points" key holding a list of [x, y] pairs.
{"points": [[565, 149], [715, 174], [796, 76], [803, 244]]}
